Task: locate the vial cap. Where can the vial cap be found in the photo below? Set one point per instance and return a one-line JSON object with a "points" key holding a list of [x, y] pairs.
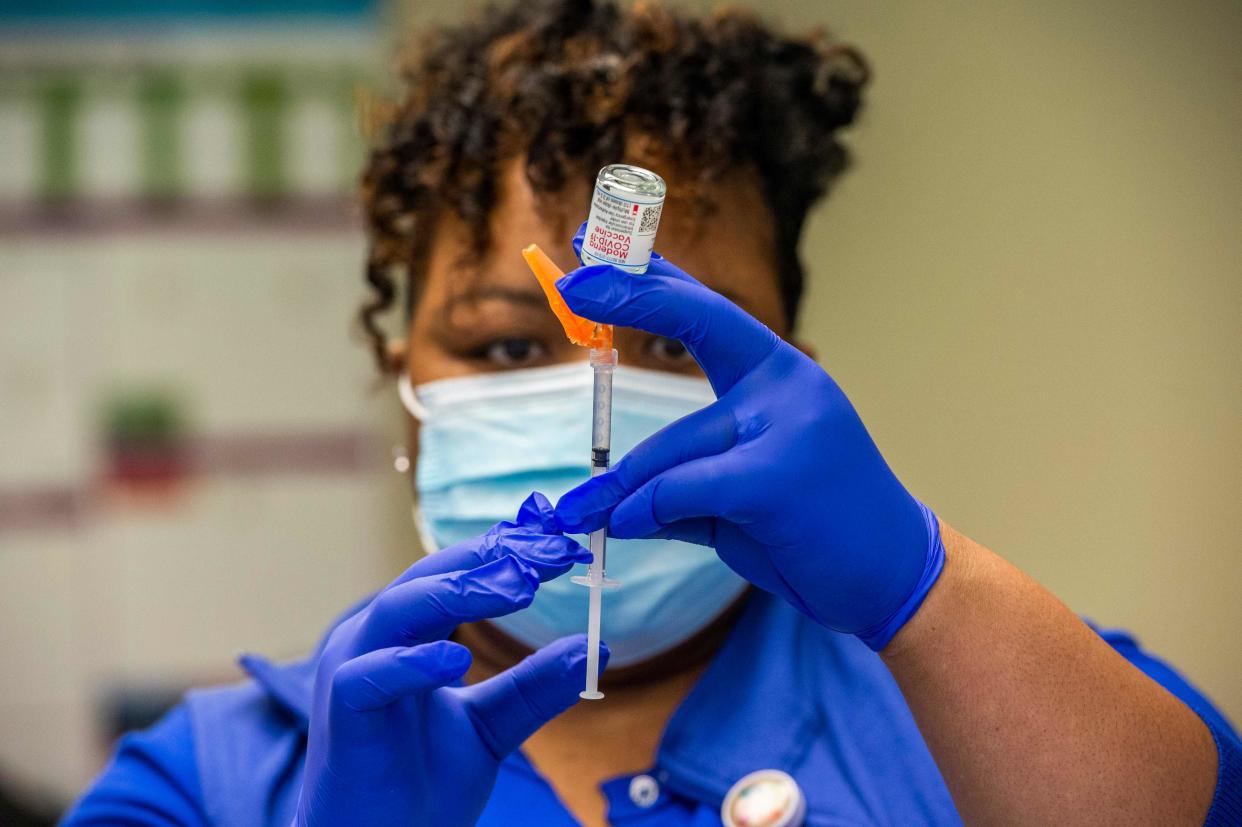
{"points": [[631, 179]]}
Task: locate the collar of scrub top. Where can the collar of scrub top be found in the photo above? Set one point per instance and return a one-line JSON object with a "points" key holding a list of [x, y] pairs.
{"points": [[754, 708]]}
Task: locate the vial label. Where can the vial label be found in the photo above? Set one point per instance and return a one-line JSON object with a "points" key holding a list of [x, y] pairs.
{"points": [[621, 231]]}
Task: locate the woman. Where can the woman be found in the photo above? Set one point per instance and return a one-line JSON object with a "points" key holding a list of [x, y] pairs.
{"points": [[786, 603]]}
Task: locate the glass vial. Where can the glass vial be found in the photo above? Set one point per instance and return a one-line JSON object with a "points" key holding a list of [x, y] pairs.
{"points": [[625, 213]]}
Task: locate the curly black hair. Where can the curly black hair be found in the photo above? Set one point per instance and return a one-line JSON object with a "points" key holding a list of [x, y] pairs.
{"points": [[570, 85]]}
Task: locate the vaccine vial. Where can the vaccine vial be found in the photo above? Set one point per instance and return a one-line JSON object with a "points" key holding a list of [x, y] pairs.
{"points": [[625, 213]]}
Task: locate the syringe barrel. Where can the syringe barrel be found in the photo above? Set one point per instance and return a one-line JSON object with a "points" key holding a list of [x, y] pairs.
{"points": [[603, 361]]}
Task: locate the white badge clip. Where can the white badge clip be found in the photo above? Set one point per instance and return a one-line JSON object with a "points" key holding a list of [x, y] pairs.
{"points": [[766, 798]]}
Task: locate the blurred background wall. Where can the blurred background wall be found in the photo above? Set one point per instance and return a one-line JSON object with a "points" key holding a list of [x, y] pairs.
{"points": [[193, 460], [1029, 285]]}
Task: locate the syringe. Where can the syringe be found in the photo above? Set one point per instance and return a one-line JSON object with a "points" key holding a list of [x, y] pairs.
{"points": [[620, 230], [603, 361], [598, 337]]}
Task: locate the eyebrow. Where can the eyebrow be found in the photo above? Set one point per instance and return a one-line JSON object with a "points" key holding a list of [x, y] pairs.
{"points": [[532, 298], [535, 298]]}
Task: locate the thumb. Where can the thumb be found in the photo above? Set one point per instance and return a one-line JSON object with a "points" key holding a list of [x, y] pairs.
{"points": [[362, 688], [536, 512], [507, 709], [726, 341], [659, 264]]}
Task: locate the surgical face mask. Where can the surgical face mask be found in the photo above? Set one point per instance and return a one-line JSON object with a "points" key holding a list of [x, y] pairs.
{"points": [[487, 441]]}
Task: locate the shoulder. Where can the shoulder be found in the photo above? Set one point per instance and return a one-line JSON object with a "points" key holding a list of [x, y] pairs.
{"points": [[151, 779], [249, 746], [225, 755]]}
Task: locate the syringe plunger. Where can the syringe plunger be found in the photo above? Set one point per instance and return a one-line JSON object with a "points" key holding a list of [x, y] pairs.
{"points": [[603, 360]]}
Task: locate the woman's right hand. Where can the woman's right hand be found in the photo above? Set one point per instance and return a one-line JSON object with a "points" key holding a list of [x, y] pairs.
{"points": [[392, 741]]}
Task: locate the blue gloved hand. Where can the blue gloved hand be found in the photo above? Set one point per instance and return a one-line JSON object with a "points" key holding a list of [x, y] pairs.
{"points": [[392, 741], [778, 474]]}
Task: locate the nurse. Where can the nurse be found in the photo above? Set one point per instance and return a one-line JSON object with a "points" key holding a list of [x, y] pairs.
{"points": [[798, 638]]}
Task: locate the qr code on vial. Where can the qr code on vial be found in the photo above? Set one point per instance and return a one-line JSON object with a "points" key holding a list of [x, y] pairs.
{"points": [[649, 220]]}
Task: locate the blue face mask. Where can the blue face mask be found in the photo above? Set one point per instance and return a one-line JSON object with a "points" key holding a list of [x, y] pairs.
{"points": [[486, 442]]}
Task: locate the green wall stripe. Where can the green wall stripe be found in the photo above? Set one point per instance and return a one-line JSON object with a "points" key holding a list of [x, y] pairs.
{"points": [[60, 102], [163, 96], [161, 103], [265, 104], [352, 145]]}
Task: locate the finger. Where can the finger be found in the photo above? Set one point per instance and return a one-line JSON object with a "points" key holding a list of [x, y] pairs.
{"points": [[534, 512], [537, 512], [579, 235], [701, 531], [428, 608], [703, 433], [707, 487], [533, 536], [508, 708], [727, 342], [739, 552], [375, 679], [660, 266], [551, 555]]}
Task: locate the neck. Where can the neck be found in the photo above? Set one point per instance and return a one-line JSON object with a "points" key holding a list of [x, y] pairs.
{"points": [[594, 741]]}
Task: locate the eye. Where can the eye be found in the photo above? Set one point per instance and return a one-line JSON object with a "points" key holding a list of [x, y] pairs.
{"points": [[669, 351], [514, 352]]}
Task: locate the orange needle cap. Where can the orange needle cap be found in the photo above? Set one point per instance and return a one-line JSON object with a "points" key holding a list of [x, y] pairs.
{"points": [[580, 331]]}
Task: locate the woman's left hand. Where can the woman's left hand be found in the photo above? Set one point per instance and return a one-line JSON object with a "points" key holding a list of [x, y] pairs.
{"points": [[392, 740], [778, 475]]}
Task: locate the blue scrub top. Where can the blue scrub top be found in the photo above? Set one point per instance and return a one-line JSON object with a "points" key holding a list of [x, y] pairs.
{"points": [[782, 693]]}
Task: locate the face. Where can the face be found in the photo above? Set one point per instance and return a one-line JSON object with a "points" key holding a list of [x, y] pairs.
{"points": [[486, 314]]}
